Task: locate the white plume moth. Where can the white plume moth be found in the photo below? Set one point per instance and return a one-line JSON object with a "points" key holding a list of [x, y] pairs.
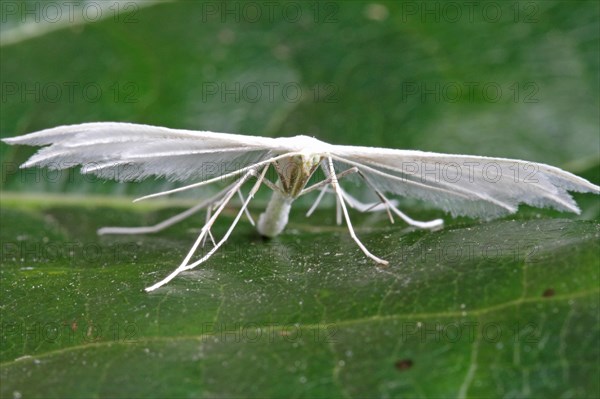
{"points": [[460, 184]]}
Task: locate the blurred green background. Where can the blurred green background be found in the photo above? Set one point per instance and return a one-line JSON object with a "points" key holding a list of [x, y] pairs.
{"points": [[503, 79], [499, 78]]}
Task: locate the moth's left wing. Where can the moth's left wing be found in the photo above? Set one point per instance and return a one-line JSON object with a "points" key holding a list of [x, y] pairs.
{"points": [[125, 151], [465, 185]]}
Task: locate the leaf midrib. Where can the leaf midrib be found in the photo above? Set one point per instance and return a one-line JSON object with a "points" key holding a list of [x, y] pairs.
{"points": [[343, 323]]}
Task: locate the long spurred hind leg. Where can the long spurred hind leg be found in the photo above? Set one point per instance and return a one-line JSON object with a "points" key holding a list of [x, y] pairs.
{"points": [[431, 224], [233, 224], [203, 232], [353, 202], [165, 223], [420, 224], [323, 185], [185, 265]]}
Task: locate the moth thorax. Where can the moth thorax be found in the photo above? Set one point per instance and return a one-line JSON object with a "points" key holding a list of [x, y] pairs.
{"points": [[295, 171]]}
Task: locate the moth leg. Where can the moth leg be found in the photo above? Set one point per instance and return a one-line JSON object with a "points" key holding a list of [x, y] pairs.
{"points": [[352, 202], [246, 210], [324, 185], [187, 266], [273, 186], [204, 231], [335, 186], [338, 211], [431, 224], [318, 200], [209, 233], [165, 223], [253, 191], [362, 207]]}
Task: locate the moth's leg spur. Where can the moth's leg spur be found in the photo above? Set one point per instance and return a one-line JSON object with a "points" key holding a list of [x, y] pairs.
{"points": [[246, 211], [165, 223], [431, 224], [335, 186], [209, 233], [317, 201]]}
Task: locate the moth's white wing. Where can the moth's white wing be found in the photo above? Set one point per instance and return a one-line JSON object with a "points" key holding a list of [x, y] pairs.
{"points": [[125, 151], [466, 185]]}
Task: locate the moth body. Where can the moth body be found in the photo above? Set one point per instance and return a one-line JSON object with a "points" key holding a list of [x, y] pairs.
{"points": [[293, 174], [275, 217]]}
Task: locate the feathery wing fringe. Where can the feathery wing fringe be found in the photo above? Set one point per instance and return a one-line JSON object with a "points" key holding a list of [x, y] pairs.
{"points": [[126, 152]]}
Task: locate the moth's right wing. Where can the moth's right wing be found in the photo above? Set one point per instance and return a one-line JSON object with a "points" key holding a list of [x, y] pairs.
{"points": [[126, 152], [466, 185]]}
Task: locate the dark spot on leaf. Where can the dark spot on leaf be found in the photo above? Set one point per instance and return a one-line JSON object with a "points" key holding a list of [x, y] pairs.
{"points": [[72, 324], [548, 292], [404, 364]]}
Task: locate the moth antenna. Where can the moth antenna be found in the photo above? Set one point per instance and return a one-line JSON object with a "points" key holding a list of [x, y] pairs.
{"points": [[251, 169]]}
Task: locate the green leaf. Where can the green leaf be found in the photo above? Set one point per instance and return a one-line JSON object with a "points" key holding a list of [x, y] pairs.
{"points": [[505, 308], [501, 309]]}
